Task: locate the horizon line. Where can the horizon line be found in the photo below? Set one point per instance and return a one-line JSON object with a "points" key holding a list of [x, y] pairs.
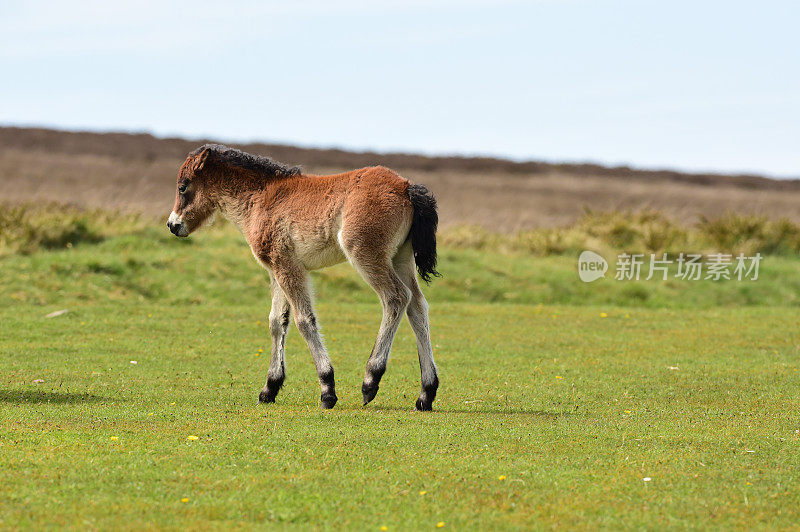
{"points": [[363, 150]]}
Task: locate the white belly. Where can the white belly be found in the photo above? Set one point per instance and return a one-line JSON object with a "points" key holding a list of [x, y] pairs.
{"points": [[318, 251]]}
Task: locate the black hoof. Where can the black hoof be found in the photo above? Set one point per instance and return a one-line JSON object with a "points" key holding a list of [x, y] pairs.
{"points": [[369, 393], [270, 391], [429, 394], [328, 400], [266, 397], [423, 406]]}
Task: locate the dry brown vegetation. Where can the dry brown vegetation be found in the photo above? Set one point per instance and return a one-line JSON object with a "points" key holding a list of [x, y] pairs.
{"points": [[136, 172]]}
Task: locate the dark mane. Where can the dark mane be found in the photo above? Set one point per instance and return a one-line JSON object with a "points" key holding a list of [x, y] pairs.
{"points": [[240, 159]]}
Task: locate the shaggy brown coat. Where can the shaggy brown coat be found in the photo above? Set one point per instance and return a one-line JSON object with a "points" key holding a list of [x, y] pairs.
{"points": [[378, 221]]}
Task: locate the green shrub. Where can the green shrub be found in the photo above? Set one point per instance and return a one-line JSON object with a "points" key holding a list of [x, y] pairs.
{"points": [[644, 231], [750, 234], [28, 227], [25, 228]]}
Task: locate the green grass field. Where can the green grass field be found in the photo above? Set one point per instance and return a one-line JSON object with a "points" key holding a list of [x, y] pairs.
{"points": [[558, 398]]}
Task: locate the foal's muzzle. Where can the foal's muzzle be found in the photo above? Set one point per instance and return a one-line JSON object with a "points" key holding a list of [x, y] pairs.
{"points": [[175, 229], [176, 226]]}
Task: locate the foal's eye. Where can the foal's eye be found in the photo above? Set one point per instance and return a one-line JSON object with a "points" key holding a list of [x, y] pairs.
{"points": [[182, 188]]}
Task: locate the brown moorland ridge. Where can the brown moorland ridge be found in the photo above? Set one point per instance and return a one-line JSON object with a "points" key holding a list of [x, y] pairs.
{"points": [[136, 172]]}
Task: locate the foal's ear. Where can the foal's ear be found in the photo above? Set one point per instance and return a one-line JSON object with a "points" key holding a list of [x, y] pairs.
{"points": [[200, 163]]}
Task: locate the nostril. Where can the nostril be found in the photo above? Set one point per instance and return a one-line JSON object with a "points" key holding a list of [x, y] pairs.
{"points": [[176, 228]]}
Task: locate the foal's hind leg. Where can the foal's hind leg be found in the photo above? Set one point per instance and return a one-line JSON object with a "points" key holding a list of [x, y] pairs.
{"points": [[417, 312], [293, 280], [278, 324], [394, 298]]}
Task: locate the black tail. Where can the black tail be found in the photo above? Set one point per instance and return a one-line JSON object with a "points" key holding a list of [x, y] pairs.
{"points": [[423, 231]]}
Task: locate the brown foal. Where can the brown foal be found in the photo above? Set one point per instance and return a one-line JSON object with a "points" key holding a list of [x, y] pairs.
{"points": [[294, 222]]}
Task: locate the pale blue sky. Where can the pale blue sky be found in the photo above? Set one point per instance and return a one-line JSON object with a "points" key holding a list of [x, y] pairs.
{"points": [[683, 84]]}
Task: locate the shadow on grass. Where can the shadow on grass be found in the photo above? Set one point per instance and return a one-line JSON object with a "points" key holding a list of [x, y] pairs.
{"points": [[37, 397], [482, 411]]}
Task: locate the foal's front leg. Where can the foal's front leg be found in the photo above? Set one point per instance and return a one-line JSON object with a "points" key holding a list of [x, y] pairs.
{"points": [[293, 280], [278, 324]]}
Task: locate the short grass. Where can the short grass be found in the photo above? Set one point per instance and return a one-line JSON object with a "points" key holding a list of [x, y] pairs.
{"points": [[558, 398]]}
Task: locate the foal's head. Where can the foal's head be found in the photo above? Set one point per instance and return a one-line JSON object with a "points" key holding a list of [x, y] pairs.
{"points": [[213, 172], [193, 202]]}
